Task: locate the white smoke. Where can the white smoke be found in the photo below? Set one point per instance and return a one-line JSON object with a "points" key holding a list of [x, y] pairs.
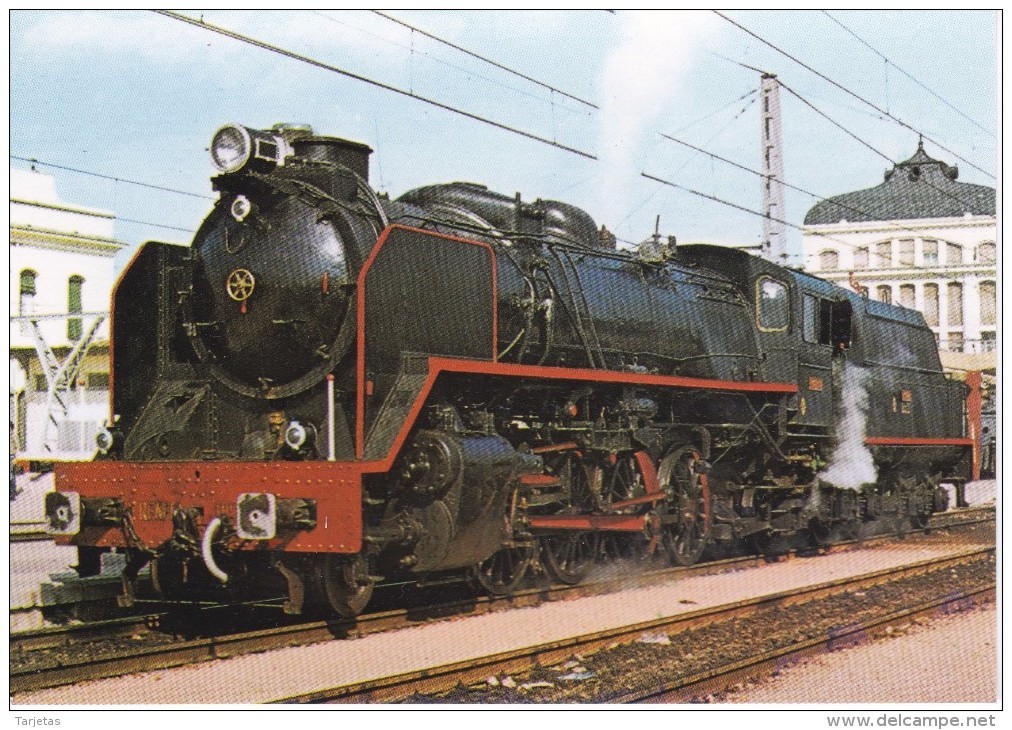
{"points": [[851, 466], [639, 84]]}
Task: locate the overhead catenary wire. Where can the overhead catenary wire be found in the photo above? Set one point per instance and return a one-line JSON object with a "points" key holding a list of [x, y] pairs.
{"points": [[533, 94], [878, 152], [716, 134], [895, 227], [489, 61], [156, 225], [35, 161], [745, 209], [264, 45], [851, 93], [849, 133], [910, 76]]}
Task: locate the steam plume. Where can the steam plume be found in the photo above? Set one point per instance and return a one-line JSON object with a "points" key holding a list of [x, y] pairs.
{"points": [[640, 83], [851, 465]]}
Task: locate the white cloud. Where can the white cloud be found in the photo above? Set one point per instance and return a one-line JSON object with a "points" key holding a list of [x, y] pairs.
{"points": [[75, 34], [163, 40], [641, 80]]}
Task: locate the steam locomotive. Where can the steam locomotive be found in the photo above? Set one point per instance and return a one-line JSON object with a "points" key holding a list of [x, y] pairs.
{"points": [[330, 388]]}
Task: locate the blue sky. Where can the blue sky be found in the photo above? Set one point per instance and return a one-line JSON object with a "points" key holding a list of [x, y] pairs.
{"points": [[136, 95]]}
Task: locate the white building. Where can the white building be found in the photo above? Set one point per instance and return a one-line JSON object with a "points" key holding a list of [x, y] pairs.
{"points": [[920, 239], [61, 279]]}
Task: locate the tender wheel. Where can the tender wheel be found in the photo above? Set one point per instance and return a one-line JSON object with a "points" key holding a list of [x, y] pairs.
{"points": [[504, 571], [821, 531], [687, 524], [346, 584], [569, 557], [765, 543]]}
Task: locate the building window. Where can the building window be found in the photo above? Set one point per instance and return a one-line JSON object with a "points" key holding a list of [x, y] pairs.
{"points": [[26, 301], [988, 302], [885, 293], [987, 341], [955, 292], [931, 304], [930, 253], [953, 254], [907, 252], [884, 254], [774, 305], [907, 295], [985, 253], [829, 260], [955, 342], [28, 282], [74, 285], [26, 298], [861, 258]]}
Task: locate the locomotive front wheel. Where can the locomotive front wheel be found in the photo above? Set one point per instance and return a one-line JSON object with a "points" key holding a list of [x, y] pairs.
{"points": [[346, 584], [504, 571], [569, 557], [685, 537]]}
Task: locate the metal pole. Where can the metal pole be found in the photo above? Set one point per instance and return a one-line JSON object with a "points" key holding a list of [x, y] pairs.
{"points": [[974, 410], [331, 436], [774, 244], [83, 428]]}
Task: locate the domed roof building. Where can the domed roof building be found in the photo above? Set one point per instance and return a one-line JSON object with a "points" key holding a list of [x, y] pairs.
{"points": [[921, 187], [921, 239]]}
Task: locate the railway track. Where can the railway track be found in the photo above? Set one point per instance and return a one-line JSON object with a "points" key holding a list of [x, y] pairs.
{"points": [[432, 681], [708, 683], [144, 646]]}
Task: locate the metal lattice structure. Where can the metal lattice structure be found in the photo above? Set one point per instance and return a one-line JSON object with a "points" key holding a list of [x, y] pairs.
{"points": [[60, 376], [774, 244]]}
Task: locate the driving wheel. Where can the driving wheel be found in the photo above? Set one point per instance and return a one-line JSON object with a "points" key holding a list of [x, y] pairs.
{"points": [[687, 524]]}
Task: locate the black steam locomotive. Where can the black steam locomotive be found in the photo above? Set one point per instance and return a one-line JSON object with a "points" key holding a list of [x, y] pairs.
{"points": [[330, 388]]}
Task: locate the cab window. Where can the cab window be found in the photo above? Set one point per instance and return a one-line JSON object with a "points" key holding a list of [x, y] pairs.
{"points": [[773, 313], [817, 320]]}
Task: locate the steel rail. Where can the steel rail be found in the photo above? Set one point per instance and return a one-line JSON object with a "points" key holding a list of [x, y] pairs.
{"points": [[219, 647], [58, 636], [719, 679], [180, 653], [437, 679]]}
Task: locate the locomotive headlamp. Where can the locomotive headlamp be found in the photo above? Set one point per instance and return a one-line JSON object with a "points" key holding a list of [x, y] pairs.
{"points": [[104, 439], [296, 435], [235, 148], [241, 207]]}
